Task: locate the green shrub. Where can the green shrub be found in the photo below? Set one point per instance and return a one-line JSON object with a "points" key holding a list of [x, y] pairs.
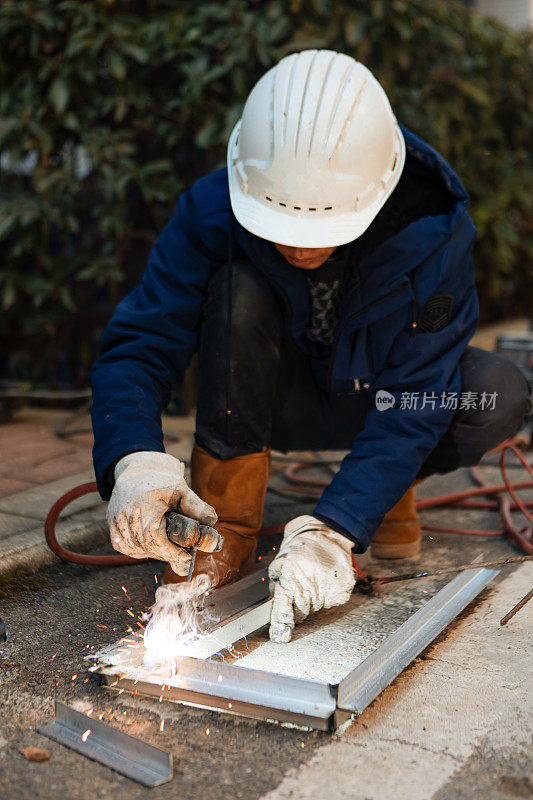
{"points": [[108, 108]]}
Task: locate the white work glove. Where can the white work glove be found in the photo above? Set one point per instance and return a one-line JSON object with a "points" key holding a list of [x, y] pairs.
{"points": [[312, 570], [148, 485]]}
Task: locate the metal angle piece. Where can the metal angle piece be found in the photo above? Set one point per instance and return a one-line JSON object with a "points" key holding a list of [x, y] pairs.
{"points": [[235, 597], [369, 678], [237, 690], [119, 751], [225, 635]]}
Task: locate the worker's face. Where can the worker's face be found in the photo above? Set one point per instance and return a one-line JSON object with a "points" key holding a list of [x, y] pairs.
{"points": [[305, 257]]}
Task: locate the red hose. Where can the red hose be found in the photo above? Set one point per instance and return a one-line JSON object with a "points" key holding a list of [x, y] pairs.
{"points": [[502, 492], [70, 555]]}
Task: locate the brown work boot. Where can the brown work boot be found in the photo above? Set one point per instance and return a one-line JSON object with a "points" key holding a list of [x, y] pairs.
{"points": [[236, 488], [400, 534]]}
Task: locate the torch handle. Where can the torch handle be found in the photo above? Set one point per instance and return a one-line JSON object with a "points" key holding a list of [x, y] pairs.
{"points": [[187, 532]]}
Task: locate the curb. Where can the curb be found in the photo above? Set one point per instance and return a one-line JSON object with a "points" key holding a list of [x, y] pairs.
{"points": [[30, 551]]}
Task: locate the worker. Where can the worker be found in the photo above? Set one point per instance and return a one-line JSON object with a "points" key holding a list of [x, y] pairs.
{"points": [[325, 279]]}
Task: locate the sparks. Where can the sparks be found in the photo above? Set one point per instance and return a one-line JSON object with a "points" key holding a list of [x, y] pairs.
{"points": [[74, 677], [220, 679], [207, 731], [86, 735], [302, 744], [55, 654], [90, 711], [176, 620], [128, 611], [162, 726]]}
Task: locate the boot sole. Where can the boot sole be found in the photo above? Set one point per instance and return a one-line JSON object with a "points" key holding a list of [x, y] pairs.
{"points": [[404, 550]]}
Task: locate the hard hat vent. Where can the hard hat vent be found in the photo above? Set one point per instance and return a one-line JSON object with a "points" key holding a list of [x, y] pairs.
{"points": [[297, 208]]}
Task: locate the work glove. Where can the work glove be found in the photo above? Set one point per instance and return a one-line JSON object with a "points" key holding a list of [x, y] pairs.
{"points": [[313, 570], [147, 486]]}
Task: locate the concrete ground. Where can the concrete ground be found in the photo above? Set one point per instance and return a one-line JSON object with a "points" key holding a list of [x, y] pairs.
{"points": [[455, 724]]}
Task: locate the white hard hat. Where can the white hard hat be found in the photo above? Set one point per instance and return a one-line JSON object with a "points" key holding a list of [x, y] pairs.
{"points": [[317, 152]]}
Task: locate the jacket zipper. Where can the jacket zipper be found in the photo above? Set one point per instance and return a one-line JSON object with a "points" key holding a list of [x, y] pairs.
{"points": [[349, 319]]}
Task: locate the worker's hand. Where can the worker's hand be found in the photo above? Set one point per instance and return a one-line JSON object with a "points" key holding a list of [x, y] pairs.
{"points": [[312, 570], [147, 486]]}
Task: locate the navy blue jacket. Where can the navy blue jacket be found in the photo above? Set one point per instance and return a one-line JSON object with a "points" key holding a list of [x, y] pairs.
{"points": [[154, 333]]}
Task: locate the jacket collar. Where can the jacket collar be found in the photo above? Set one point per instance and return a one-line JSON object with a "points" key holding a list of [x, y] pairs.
{"points": [[408, 248]]}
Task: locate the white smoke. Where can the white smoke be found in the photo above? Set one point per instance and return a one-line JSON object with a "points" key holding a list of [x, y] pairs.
{"points": [[177, 618]]}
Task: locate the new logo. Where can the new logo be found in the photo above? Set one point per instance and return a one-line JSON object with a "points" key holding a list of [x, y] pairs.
{"points": [[384, 400]]}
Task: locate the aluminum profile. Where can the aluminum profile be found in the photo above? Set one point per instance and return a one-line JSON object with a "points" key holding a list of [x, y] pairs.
{"points": [[231, 631], [238, 690], [123, 753], [234, 597], [368, 679]]}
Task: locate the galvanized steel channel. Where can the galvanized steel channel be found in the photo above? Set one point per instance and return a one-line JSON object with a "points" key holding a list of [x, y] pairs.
{"points": [[123, 753], [237, 690], [370, 677]]}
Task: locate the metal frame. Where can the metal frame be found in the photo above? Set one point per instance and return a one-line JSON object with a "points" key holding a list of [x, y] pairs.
{"points": [[123, 753], [259, 694]]}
